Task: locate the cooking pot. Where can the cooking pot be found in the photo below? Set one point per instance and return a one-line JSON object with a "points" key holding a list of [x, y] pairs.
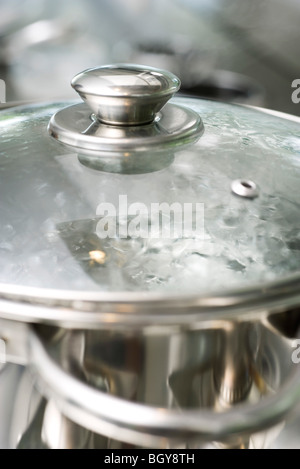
{"points": [[149, 281]]}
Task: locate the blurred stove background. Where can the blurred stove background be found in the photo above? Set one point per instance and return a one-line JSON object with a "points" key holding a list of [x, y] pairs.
{"points": [[235, 50]]}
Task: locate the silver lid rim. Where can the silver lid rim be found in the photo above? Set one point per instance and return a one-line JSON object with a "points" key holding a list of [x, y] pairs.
{"points": [[92, 310]]}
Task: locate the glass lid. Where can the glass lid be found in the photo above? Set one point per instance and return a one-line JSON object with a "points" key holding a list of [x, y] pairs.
{"points": [[214, 214]]}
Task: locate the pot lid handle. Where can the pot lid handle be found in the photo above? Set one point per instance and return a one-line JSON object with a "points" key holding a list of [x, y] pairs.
{"points": [[125, 94]]}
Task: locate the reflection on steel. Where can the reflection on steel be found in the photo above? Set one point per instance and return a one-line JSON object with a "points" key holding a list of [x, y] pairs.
{"points": [[97, 256], [244, 188], [125, 109], [126, 94]]}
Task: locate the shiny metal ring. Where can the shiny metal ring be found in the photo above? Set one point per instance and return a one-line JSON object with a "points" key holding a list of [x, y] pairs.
{"points": [[152, 426]]}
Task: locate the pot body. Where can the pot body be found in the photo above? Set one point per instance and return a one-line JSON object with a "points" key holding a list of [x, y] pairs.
{"points": [[214, 368]]}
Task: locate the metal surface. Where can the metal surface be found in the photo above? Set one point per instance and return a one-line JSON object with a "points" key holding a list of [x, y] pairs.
{"points": [[103, 388], [15, 337], [234, 378], [124, 112], [173, 126], [275, 378], [244, 188], [120, 310], [125, 94]]}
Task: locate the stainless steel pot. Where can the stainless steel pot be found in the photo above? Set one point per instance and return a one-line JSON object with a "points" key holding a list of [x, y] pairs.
{"points": [[147, 339]]}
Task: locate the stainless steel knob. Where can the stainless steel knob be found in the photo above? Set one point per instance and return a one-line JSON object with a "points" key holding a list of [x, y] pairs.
{"points": [[124, 110], [123, 94]]}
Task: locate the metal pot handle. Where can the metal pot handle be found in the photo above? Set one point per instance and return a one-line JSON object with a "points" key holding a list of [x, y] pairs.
{"points": [[144, 425]]}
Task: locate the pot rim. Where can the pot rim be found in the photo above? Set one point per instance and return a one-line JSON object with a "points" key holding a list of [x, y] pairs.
{"points": [[75, 309]]}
